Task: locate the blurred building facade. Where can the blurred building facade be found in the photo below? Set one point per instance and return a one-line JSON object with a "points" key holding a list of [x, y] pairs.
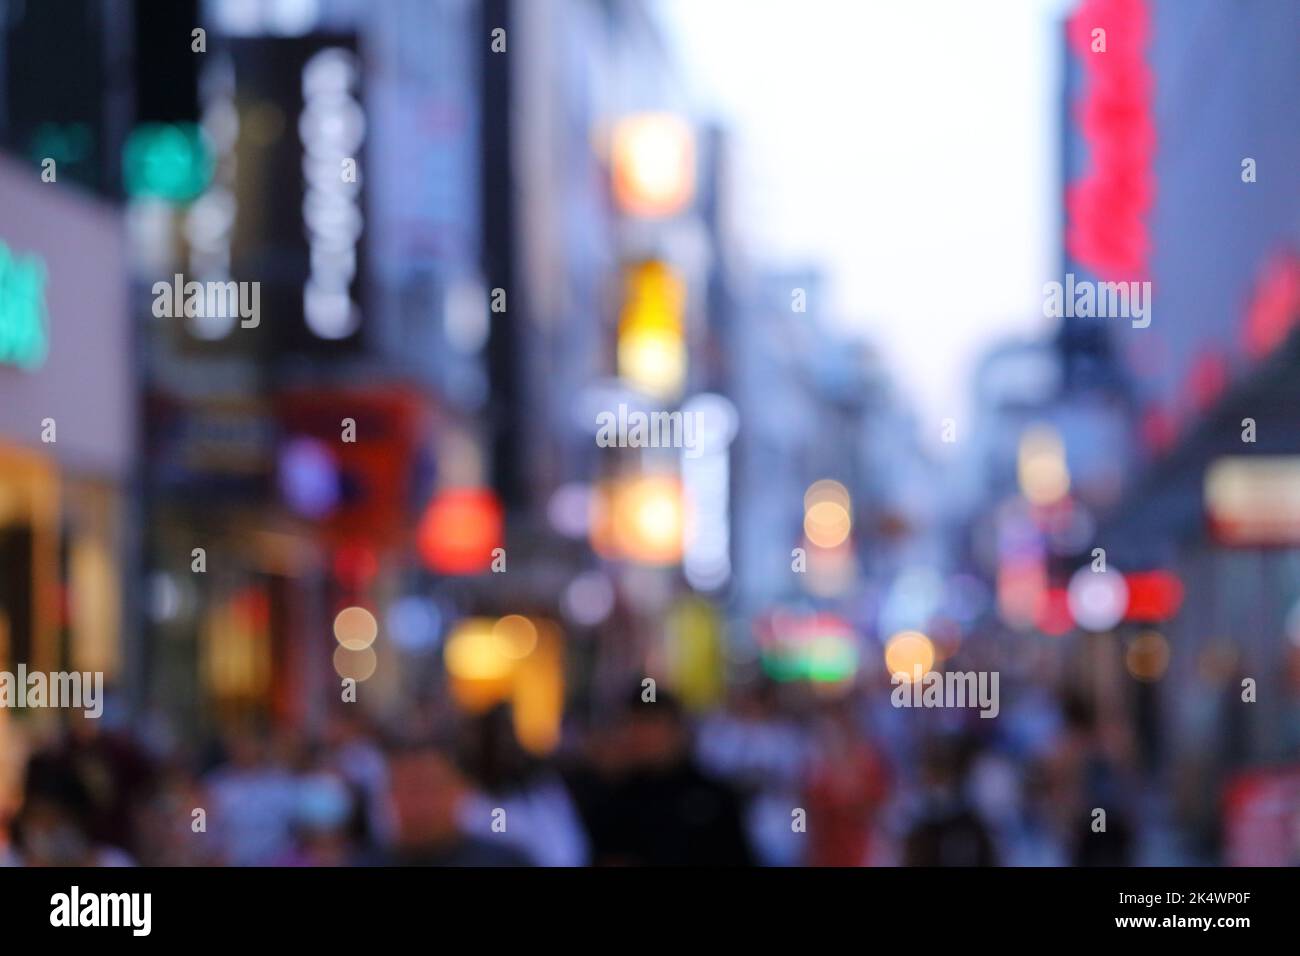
{"points": [[422, 194], [1205, 388], [67, 451]]}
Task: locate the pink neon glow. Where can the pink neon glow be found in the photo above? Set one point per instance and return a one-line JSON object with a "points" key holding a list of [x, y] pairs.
{"points": [[1106, 208]]}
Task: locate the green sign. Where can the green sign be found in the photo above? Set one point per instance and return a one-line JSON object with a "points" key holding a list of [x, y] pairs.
{"points": [[170, 161], [24, 321]]}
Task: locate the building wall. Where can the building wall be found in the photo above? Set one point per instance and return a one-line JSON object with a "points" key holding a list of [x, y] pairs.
{"points": [[84, 383], [1225, 77]]}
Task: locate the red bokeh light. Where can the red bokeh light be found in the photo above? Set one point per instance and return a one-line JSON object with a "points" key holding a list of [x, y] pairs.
{"points": [[459, 531], [1274, 306], [1054, 618], [1153, 596]]}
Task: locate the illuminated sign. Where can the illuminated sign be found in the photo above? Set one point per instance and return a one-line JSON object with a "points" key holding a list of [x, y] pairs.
{"points": [[300, 225], [1107, 206], [1153, 596], [1274, 304], [653, 160], [1254, 501], [821, 648], [24, 322], [169, 161], [461, 531], [651, 344], [332, 127]]}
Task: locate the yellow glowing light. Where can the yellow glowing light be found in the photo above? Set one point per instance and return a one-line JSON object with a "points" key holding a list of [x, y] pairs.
{"points": [[642, 519], [475, 651], [1147, 657], [517, 635], [355, 628], [356, 664], [653, 161], [1044, 478], [537, 696], [652, 354], [653, 360], [654, 293], [827, 524], [907, 653]]}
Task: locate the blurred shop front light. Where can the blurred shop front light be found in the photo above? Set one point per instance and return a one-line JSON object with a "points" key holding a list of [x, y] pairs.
{"points": [[168, 161], [292, 17], [355, 628], [693, 650], [907, 654], [332, 127], [511, 658], [653, 161], [1153, 596], [827, 524], [537, 695], [517, 634], [355, 564], [831, 571], [475, 651], [1054, 617], [569, 509], [1022, 589], [465, 317], [1274, 304], [640, 519], [653, 358], [819, 648], [1097, 599], [651, 342], [826, 490], [414, 623], [24, 313], [827, 513], [460, 529], [706, 481], [1044, 478], [1147, 657], [1218, 663], [359, 665], [650, 520], [1254, 501], [164, 597], [589, 598], [246, 18], [309, 477]]}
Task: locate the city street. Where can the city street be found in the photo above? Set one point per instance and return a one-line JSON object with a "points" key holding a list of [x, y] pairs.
{"points": [[637, 433]]}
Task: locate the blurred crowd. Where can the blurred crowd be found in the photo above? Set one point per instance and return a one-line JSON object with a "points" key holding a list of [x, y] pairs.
{"points": [[772, 779]]}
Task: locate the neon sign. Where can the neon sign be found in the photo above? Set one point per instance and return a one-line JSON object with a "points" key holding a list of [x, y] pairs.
{"points": [[332, 128], [24, 322], [1107, 206]]}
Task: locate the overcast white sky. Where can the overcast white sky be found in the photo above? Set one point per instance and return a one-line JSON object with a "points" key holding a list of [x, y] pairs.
{"points": [[910, 147]]}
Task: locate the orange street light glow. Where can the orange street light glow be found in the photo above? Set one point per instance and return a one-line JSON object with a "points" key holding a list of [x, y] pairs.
{"points": [[908, 653]]}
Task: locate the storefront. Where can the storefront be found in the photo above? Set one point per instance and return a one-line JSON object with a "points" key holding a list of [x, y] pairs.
{"points": [[66, 427]]}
